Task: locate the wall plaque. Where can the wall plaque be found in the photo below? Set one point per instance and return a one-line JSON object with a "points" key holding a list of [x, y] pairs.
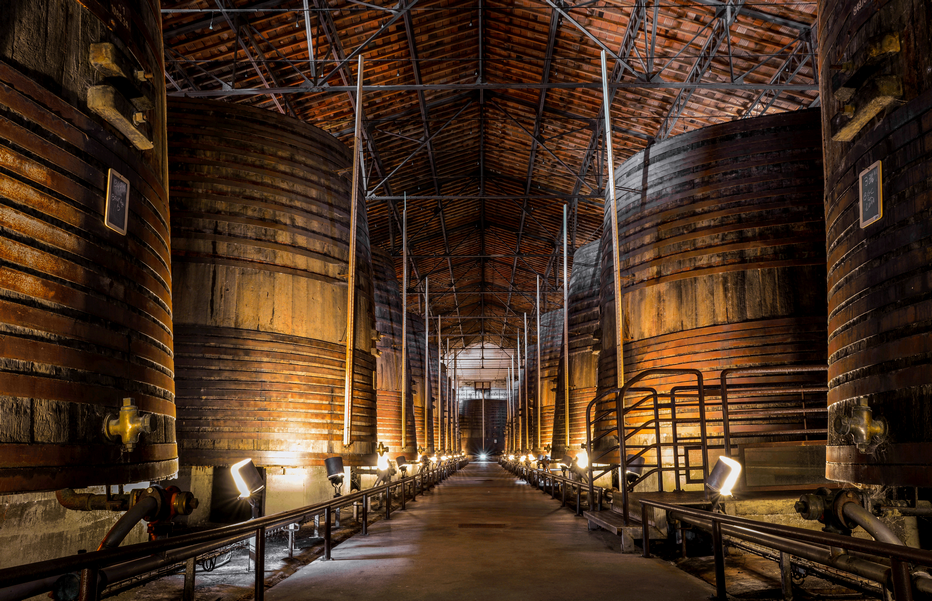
{"points": [[117, 215], [870, 186]]}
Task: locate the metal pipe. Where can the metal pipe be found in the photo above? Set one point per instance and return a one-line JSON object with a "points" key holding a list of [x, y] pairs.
{"points": [[865, 519], [174, 549], [616, 256], [69, 499], [819, 554], [127, 522], [351, 276]]}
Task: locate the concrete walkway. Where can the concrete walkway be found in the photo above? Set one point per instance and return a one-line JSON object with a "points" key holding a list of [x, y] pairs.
{"points": [[482, 535]]}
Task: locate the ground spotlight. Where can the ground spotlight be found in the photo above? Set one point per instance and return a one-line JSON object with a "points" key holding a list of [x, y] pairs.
{"points": [[334, 467]]}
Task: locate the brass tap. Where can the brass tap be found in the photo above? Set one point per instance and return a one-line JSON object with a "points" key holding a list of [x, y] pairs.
{"points": [[866, 430], [128, 425]]}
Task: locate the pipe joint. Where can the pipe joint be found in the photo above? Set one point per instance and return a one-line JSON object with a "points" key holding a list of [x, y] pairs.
{"points": [[128, 425], [858, 422]]}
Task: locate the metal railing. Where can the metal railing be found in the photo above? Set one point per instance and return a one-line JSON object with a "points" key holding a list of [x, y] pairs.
{"points": [[813, 545], [622, 433], [788, 409], [99, 568], [546, 479]]}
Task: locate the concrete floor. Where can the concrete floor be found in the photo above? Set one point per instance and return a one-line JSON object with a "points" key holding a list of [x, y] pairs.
{"points": [[483, 535]]}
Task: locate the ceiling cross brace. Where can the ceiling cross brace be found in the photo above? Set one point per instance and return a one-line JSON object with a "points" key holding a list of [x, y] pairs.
{"points": [[720, 31], [242, 45]]}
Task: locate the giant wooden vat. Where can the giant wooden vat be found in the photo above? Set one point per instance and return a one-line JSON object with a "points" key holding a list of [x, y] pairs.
{"points": [[879, 276], [721, 253], [260, 240], [85, 311]]}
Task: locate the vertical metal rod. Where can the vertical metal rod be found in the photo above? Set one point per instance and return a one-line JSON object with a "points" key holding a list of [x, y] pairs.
{"points": [[566, 336], [440, 441], [327, 540], [579, 501], [388, 502], [484, 448], [404, 491], [428, 445], [260, 564], [511, 410], [682, 539], [351, 281], [718, 549], [520, 434], [645, 531], [190, 569], [404, 324], [902, 581], [310, 41], [527, 405], [87, 585], [448, 424], [365, 515], [539, 393], [616, 257], [786, 576]]}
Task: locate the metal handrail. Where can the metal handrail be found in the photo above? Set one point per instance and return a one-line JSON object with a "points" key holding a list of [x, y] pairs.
{"points": [[90, 564], [742, 528], [620, 412], [756, 371], [546, 475]]}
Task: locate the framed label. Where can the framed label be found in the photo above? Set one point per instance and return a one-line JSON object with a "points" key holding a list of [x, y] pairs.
{"points": [[870, 187], [117, 214]]}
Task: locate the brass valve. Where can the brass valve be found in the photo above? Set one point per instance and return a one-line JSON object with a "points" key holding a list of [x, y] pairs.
{"points": [[128, 425], [866, 430]]}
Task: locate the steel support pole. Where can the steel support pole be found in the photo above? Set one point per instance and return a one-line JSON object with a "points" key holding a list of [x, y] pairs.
{"points": [[260, 564], [786, 575], [718, 550], [645, 531], [404, 326], [190, 569], [527, 401], [439, 434], [427, 402], [483, 422], [388, 502], [88, 588], [351, 280], [519, 435], [616, 263], [566, 336], [365, 515], [328, 542], [539, 394]]}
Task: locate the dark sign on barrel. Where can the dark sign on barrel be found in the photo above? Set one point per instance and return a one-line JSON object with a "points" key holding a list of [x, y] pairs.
{"points": [[117, 214], [870, 185]]}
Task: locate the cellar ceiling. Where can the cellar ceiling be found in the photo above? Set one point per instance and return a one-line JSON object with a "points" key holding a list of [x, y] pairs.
{"points": [[486, 117]]}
